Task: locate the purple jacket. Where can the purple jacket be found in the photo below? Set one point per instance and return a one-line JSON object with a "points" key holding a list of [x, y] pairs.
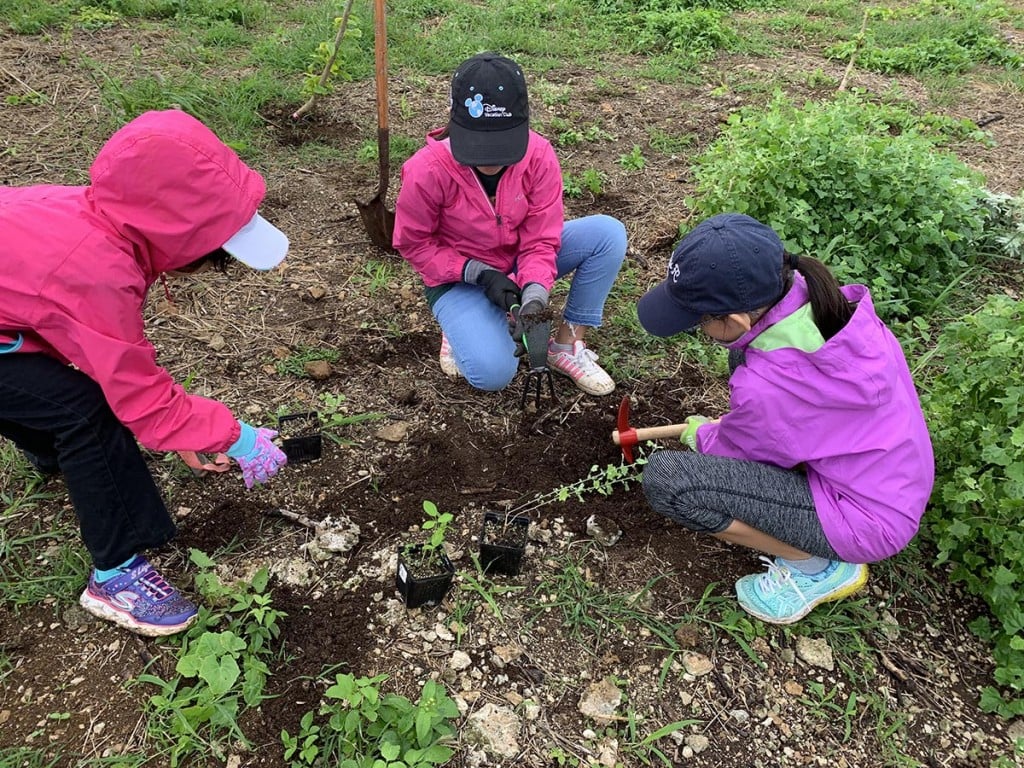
{"points": [[443, 216], [849, 413]]}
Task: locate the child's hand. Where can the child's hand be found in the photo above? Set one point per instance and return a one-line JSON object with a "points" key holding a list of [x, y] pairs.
{"points": [[257, 455], [689, 436]]}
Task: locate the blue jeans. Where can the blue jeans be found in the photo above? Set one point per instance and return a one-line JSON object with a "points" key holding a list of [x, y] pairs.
{"points": [[593, 249], [60, 415]]}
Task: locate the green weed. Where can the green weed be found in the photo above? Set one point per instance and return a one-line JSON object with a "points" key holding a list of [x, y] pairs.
{"points": [[334, 416], [357, 725], [295, 363], [589, 610], [219, 674]]}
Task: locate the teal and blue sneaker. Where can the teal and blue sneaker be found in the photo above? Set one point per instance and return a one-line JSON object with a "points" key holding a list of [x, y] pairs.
{"points": [[783, 595]]}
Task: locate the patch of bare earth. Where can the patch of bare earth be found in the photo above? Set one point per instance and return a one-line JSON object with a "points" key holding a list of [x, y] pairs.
{"points": [[753, 704]]}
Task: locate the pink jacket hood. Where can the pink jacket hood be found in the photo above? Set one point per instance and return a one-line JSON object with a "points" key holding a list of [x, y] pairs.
{"points": [[78, 262], [443, 216]]}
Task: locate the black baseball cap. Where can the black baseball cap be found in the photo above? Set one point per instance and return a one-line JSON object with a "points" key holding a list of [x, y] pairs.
{"points": [[490, 112], [729, 263]]}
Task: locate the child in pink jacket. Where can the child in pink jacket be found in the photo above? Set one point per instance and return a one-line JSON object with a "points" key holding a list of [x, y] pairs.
{"points": [[79, 381], [823, 459], [479, 216]]}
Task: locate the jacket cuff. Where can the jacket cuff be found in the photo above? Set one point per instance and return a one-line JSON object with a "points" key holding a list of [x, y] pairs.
{"points": [[472, 270], [535, 292]]}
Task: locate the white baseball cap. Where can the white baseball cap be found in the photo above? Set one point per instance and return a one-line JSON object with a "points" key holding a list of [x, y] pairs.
{"points": [[259, 244]]}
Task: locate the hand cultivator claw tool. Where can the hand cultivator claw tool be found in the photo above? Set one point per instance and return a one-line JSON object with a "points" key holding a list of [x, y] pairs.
{"points": [[626, 436], [534, 380], [538, 373]]}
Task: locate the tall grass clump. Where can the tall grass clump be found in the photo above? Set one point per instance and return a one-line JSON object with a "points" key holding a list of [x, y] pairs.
{"points": [[975, 411], [864, 187]]}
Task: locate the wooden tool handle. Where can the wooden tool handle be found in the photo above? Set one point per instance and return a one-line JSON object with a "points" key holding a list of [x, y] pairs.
{"points": [[653, 433]]}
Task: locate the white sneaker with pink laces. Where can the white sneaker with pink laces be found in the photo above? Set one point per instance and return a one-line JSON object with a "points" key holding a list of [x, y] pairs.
{"points": [[447, 360], [581, 366]]}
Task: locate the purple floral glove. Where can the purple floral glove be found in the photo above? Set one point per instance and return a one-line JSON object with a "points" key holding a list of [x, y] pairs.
{"points": [[257, 455]]}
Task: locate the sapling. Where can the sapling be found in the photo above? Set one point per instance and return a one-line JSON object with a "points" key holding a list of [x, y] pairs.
{"points": [[437, 523], [316, 85]]}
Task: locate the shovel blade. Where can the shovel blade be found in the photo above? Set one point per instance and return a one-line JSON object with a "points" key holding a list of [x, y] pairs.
{"points": [[379, 223]]}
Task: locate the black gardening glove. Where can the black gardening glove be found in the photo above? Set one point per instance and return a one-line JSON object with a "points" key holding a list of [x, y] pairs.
{"points": [[533, 329], [501, 291]]}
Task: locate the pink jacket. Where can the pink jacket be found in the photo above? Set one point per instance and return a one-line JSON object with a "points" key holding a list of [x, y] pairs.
{"points": [[443, 216], [78, 262]]}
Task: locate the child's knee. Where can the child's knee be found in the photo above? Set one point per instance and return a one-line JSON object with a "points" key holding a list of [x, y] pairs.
{"points": [[492, 375], [613, 237]]}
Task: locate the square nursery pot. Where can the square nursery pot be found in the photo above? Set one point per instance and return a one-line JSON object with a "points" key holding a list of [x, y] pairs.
{"points": [[422, 582], [503, 542], [301, 439]]}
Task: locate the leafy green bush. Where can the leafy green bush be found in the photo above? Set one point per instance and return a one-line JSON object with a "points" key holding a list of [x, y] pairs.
{"points": [[218, 674], [864, 187], [975, 409], [693, 34]]}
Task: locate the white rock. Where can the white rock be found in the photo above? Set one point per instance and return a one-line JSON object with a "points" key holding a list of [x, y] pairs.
{"points": [[600, 700], [815, 651], [494, 729], [460, 660]]}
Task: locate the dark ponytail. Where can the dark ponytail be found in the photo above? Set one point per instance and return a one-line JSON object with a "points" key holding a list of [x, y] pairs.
{"points": [[829, 306]]}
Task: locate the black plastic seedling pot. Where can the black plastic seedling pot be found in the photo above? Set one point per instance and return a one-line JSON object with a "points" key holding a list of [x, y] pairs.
{"points": [[301, 439], [503, 542], [419, 582]]}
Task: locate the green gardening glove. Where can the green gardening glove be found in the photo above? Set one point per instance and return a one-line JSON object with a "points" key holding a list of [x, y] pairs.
{"points": [[689, 436]]}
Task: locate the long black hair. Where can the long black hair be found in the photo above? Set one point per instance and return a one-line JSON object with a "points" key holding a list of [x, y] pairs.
{"points": [[829, 307]]}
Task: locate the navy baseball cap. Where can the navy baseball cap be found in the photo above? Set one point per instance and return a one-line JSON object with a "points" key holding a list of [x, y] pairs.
{"points": [[490, 112], [729, 263]]}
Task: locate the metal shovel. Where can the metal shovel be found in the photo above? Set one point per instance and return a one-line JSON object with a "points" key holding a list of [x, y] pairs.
{"points": [[378, 221]]}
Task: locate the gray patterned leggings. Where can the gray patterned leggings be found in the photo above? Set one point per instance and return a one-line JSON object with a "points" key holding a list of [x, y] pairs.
{"points": [[706, 493]]}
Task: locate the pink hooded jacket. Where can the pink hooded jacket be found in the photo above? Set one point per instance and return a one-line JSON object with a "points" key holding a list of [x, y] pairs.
{"points": [[443, 216], [78, 262]]}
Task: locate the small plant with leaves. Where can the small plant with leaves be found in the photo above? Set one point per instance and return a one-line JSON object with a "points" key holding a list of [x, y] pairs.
{"points": [[222, 669], [356, 725], [437, 524], [604, 480], [633, 160], [425, 573], [325, 64], [334, 415]]}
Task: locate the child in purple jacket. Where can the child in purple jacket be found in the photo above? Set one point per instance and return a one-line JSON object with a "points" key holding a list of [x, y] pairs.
{"points": [[480, 218], [824, 459]]}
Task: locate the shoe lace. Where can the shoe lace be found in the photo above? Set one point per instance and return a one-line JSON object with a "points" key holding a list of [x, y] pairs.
{"points": [[586, 359], [777, 578], [155, 585]]}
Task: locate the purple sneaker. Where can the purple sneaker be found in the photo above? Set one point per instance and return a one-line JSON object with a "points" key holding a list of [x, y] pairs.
{"points": [[139, 600]]}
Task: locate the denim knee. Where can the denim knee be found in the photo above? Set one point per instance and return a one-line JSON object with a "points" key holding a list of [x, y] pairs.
{"points": [[491, 375]]}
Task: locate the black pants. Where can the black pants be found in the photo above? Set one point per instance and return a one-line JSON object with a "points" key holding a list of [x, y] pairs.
{"points": [[59, 414]]}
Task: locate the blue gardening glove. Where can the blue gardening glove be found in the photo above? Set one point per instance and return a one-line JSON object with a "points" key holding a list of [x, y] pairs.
{"points": [[689, 436], [256, 454], [498, 287]]}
